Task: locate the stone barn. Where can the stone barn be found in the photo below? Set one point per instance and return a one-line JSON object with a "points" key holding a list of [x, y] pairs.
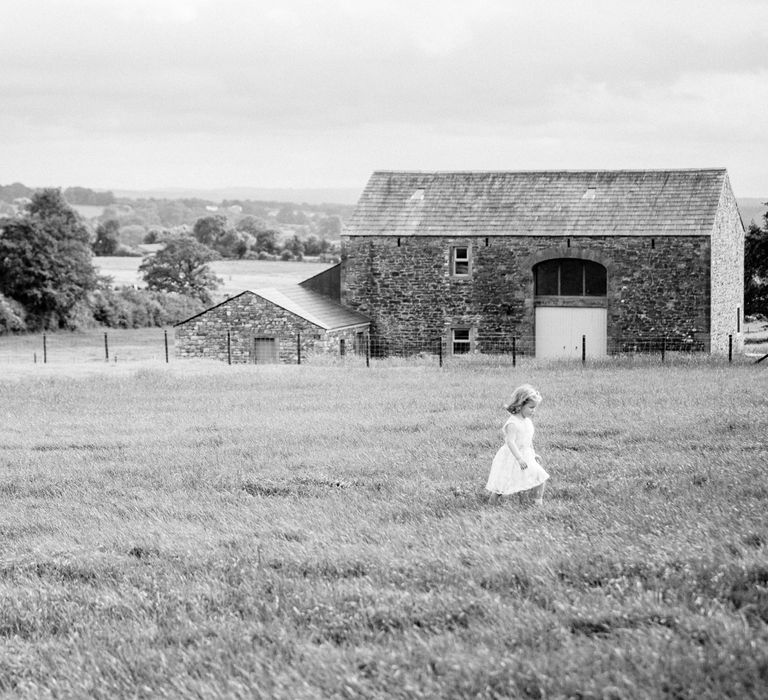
{"points": [[272, 325], [623, 258]]}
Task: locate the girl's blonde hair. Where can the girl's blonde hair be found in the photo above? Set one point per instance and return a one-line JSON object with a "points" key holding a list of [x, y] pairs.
{"points": [[520, 396]]}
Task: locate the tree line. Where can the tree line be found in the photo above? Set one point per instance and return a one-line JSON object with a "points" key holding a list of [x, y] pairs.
{"points": [[248, 238], [296, 229], [48, 281], [73, 195]]}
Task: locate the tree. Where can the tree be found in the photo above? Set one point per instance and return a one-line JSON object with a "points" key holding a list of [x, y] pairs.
{"points": [[209, 228], [756, 269], [11, 316], [295, 245], [234, 244], [329, 227], [266, 241], [251, 225], [83, 195], [312, 245], [107, 239], [45, 261], [181, 266]]}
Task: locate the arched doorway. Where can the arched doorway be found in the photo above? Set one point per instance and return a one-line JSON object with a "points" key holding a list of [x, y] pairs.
{"points": [[571, 303]]}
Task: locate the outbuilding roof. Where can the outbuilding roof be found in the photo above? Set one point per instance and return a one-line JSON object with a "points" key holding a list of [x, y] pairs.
{"points": [[309, 305], [531, 203], [313, 307]]}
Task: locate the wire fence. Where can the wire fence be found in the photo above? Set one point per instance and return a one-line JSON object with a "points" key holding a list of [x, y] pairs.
{"points": [[157, 345], [511, 349], [114, 345]]}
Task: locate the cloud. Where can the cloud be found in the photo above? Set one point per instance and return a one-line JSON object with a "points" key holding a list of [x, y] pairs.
{"points": [[527, 77]]}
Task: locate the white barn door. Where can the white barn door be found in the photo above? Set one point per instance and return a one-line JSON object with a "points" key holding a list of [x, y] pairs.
{"points": [[559, 330]]}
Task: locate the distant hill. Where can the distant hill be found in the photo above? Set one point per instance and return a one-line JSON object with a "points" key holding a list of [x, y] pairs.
{"points": [[299, 196], [752, 209]]}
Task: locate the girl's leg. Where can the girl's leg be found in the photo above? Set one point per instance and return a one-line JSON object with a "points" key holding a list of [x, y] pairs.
{"points": [[493, 499], [537, 493]]}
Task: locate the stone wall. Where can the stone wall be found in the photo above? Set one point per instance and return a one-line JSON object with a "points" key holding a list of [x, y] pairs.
{"points": [[247, 316], [657, 285], [727, 274]]}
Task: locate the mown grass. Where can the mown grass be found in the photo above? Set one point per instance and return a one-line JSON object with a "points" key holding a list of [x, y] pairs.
{"points": [[199, 530]]}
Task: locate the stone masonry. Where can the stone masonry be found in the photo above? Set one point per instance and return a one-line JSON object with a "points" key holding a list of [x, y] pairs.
{"points": [[727, 274], [657, 286], [247, 316]]}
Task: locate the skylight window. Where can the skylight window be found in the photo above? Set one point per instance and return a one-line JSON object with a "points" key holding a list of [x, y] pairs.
{"points": [[590, 193], [418, 195]]}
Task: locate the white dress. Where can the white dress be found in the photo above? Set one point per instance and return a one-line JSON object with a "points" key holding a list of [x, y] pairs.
{"points": [[506, 475]]}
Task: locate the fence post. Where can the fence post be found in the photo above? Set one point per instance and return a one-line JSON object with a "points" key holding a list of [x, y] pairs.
{"points": [[514, 350], [730, 347], [583, 349], [663, 347], [166, 345], [440, 351], [45, 349], [106, 348], [34, 356], [368, 351], [229, 348], [298, 348]]}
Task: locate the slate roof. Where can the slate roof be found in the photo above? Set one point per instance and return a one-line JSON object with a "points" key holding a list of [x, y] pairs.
{"points": [[315, 308], [311, 306], [539, 203]]}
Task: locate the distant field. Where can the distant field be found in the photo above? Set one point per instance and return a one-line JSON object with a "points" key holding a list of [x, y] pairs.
{"points": [[205, 531], [236, 275], [89, 211]]}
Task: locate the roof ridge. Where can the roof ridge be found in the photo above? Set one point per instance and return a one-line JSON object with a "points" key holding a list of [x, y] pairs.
{"points": [[566, 171]]}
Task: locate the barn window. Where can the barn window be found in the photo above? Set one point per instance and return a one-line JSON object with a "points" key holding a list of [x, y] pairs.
{"points": [[570, 277], [460, 261], [461, 341], [342, 347]]}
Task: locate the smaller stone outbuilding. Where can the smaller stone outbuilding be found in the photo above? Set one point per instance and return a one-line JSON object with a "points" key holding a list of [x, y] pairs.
{"points": [[275, 325]]}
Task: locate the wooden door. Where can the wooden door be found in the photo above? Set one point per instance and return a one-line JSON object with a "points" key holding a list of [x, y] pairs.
{"points": [[265, 350], [559, 330]]}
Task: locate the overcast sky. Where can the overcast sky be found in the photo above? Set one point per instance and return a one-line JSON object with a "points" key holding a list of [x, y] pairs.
{"points": [[139, 94]]}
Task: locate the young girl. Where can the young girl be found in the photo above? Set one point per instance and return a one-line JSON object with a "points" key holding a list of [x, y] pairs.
{"points": [[515, 467]]}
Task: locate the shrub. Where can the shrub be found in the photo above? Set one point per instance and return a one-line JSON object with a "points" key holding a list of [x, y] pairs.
{"points": [[128, 307], [12, 316]]}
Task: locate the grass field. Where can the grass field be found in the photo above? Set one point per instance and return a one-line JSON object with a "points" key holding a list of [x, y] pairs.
{"points": [[199, 530]]}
